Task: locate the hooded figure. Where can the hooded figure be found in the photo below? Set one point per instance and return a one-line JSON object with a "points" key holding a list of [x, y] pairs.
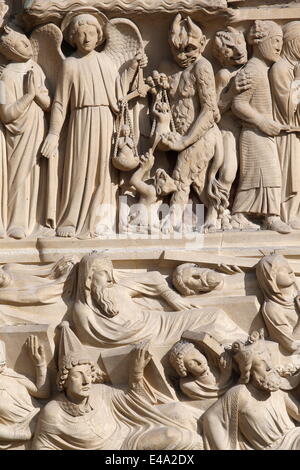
{"points": [[280, 309]]}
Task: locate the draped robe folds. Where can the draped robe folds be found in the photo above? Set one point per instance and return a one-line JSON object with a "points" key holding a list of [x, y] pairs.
{"points": [[239, 421], [287, 112], [199, 389], [282, 322], [259, 190], [135, 323], [91, 86], [116, 420], [24, 136], [18, 409], [32, 285]]}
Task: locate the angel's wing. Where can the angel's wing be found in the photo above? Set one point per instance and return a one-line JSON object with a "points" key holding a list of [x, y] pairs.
{"points": [[123, 40], [46, 43]]}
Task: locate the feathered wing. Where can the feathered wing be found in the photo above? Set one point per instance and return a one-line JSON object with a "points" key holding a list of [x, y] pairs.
{"points": [[123, 41], [46, 42]]}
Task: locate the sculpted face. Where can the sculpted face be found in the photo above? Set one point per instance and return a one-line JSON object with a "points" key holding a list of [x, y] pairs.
{"points": [[79, 382], [231, 49], [186, 55], [86, 38], [23, 47], [193, 279], [271, 48], [102, 278], [164, 184], [195, 363], [285, 276], [19, 47], [264, 377]]}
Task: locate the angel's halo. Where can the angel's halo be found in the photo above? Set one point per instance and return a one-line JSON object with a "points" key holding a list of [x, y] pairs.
{"points": [[101, 18]]}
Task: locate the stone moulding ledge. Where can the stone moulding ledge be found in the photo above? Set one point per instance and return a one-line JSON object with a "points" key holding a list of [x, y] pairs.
{"points": [[41, 7]]}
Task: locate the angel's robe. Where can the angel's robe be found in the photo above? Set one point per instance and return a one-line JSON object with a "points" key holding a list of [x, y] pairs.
{"points": [[137, 320], [24, 136], [18, 409], [110, 420], [89, 85]]}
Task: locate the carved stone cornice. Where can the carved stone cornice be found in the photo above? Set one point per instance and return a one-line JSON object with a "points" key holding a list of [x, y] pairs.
{"points": [[40, 7]]}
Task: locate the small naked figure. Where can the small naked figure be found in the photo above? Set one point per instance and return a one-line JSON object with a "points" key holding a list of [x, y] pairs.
{"points": [[125, 160], [144, 216]]}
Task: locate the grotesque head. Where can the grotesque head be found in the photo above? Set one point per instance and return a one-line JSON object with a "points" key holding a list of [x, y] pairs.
{"points": [[255, 363], [229, 47], [15, 46], [189, 279], [267, 38], [186, 359], [164, 184], [186, 41], [85, 33], [2, 356], [162, 107]]}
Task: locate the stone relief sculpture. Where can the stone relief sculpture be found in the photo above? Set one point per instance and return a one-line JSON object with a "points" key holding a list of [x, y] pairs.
{"points": [[190, 279], [230, 48], [163, 333], [280, 308], [19, 405], [106, 315], [283, 78], [144, 215], [259, 190], [88, 83], [28, 285], [194, 109], [25, 99], [198, 379], [87, 416], [256, 414]]}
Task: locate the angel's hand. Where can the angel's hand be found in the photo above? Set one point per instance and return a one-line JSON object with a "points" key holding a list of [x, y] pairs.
{"points": [[50, 146], [30, 88], [140, 60]]}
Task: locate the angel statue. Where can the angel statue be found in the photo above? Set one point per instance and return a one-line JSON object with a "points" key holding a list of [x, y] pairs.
{"points": [[92, 84], [24, 98]]}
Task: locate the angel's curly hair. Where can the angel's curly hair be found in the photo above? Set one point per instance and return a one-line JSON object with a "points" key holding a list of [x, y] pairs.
{"points": [[64, 371], [82, 20], [177, 354], [261, 30]]}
